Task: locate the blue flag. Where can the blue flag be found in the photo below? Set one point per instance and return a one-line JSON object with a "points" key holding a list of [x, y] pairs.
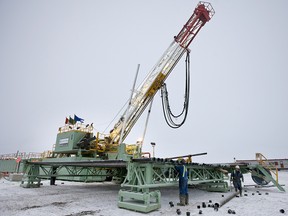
{"points": [[77, 119]]}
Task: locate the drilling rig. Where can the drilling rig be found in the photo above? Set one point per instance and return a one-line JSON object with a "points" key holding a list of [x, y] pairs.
{"points": [[81, 155]]}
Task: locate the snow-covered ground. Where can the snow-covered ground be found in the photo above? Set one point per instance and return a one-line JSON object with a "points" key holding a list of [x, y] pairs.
{"points": [[77, 199]]}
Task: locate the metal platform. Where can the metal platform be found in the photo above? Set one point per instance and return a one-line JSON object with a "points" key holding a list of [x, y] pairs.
{"points": [[141, 177]]}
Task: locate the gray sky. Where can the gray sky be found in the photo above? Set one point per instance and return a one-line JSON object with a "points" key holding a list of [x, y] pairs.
{"points": [[59, 58]]}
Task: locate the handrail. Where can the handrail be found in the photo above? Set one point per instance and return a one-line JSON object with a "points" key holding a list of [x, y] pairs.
{"points": [[76, 127], [262, 160]]}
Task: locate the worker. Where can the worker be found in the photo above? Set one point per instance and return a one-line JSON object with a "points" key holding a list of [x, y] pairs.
{"points": [[236, 177], [183, 183]]}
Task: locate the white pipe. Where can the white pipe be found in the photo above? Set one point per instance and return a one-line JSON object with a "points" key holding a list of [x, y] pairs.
{"points": [[146, 123], [125, 117]]}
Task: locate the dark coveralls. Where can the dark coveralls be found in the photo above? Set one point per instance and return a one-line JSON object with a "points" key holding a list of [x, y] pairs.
{"points": [[183, 183], [236, 177]]}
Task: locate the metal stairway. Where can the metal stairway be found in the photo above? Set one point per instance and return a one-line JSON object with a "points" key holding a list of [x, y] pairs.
{"points": [[265, 171]]}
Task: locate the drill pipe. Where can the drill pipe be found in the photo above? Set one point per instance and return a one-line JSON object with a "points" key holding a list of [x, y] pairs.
{"points": [[191, 155], [227, 199]]}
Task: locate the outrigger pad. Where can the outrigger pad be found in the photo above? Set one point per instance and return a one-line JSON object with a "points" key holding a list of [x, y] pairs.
{"points": [[139, 201]]}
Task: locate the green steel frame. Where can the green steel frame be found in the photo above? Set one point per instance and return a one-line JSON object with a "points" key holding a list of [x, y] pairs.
{"points": [[34, 172], [140, 178], [140, 187]]}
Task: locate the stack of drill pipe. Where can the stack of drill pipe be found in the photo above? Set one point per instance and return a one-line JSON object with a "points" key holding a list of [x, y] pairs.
{"points": [[227, 199]]}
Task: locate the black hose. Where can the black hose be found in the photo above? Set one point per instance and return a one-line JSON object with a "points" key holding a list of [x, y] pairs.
{"points": [[168, 115]]}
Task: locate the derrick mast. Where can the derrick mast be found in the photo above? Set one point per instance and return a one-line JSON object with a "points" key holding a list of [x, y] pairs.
{"points": [[153, 81]]}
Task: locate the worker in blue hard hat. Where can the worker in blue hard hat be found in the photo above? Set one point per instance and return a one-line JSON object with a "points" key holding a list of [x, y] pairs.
{"points": [[183, 183], [236, 177]]}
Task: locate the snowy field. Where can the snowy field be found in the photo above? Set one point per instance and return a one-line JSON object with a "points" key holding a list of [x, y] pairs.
{"points": [[77, 199]]}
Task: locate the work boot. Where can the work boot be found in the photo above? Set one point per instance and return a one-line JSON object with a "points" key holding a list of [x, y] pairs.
{"points": [[182, 200], [187, 199]]}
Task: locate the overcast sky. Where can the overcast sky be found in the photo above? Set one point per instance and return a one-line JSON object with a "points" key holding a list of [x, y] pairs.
{"points": [[66, 57]]}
